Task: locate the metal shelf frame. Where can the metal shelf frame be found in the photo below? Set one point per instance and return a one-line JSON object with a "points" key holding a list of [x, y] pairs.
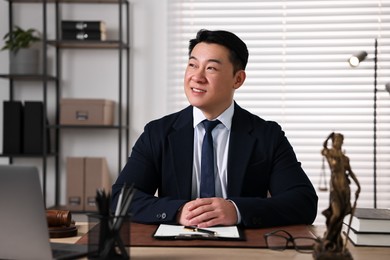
{"points": [[121, 45]]}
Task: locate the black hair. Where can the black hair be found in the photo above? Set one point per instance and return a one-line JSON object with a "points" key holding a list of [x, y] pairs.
{"points": [[238, 50]]}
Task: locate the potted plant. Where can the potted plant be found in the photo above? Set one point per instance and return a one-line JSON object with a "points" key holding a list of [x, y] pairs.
{"points": [[23, 58]]}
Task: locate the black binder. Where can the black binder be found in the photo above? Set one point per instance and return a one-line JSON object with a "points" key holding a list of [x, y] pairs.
{"points": [[33, 128], [79, 25], [12, 127], [84, 35]]}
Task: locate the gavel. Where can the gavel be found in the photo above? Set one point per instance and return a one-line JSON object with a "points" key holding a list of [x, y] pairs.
{"points": [[58, 218]]}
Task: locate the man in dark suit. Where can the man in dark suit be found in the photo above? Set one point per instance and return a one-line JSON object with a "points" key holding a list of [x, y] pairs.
{"points": [[258, 181]]}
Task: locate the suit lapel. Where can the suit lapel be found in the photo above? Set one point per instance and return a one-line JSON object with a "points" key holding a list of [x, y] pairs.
{"points": [[240, 149], [181, 143]]}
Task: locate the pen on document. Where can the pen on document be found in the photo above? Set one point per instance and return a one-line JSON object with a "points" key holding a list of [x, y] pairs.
{"points": [[201, 230]]}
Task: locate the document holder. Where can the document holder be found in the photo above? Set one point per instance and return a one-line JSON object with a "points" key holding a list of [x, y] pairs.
{"points": [[108, 236], [178, 232]]}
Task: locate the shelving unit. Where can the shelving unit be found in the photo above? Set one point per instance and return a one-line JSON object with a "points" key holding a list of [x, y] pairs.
{"points": [[44, 78], [121, 45]]}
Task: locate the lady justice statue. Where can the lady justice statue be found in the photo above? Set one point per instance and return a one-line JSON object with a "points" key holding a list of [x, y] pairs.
{"points": [[331, 245]]}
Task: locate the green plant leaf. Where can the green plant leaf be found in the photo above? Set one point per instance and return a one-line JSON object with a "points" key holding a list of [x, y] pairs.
{"points": [[19, 38]]}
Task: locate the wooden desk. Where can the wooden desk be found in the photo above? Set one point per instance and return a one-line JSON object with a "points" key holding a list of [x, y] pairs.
{"points": [[189, 253]]}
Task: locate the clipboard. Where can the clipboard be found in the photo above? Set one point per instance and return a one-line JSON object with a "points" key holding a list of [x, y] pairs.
{"points": [[178, 232]]}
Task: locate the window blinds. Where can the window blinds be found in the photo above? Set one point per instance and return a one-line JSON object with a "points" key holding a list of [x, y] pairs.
{"points": [[298, 75]]}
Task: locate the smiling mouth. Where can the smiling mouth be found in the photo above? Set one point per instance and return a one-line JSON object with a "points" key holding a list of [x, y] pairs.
{"points": [[198, 90]]}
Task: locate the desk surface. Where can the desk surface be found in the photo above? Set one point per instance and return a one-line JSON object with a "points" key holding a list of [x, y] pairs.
{"points": [[189, 253]]}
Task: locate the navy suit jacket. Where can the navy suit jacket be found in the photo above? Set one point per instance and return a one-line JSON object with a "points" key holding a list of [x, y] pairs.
{"points": [[265, 180]]}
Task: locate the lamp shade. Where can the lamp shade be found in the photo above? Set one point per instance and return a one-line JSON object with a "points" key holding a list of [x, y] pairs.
{"points": [[357, 58]]}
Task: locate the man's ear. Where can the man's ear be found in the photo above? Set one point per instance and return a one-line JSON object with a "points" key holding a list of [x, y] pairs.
{"points": [[239, 78]]}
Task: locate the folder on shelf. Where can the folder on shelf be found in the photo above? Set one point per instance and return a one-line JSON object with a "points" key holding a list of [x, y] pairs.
{"points": [[84, 36], [83, 30], [96, 177], [33, 128], [12, 127], [80, 25], [75, 180]]}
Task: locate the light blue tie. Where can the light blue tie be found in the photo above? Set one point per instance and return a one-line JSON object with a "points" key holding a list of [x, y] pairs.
{"points": [[207, 181]]}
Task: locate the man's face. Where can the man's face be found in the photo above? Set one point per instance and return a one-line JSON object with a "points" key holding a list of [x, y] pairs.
{"points": [[209, 83]]}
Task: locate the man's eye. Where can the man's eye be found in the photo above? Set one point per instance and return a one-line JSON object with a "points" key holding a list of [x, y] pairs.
{"points": [[211, 68]]}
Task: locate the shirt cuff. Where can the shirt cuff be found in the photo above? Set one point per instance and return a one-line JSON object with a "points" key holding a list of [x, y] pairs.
{"points": [[237, 211]]}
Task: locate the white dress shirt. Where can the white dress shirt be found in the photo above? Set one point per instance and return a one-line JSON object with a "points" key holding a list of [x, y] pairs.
{"points": [[221, 136]]}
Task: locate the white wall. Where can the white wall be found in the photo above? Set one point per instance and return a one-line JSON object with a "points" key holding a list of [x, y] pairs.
{"points": [[94, 74]]}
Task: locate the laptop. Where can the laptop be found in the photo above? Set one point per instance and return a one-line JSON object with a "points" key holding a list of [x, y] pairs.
{"points": [[24, 233]]}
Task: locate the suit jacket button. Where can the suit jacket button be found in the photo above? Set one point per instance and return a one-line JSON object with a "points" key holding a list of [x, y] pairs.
{"points": [[158, 216], [163, 215]]}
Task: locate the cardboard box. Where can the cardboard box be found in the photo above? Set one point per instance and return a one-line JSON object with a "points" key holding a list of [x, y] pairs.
{"points": [[75, 183], [86, 111], [84, 176], [96, 177]]}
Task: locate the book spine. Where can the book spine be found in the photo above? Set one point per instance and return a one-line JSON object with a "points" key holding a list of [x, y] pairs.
{"points": [[83, 25], [83, 35]]}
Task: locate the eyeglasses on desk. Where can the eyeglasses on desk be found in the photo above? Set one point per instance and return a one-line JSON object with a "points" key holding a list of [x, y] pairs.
{"points": [[280, 240]]}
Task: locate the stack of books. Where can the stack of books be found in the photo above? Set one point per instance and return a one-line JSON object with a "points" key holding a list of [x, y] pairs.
{"points": [[369, 227], [83, 30]]}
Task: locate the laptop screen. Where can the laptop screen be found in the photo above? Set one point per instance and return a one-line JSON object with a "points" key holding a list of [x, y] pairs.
{"points": [[24, 233]]}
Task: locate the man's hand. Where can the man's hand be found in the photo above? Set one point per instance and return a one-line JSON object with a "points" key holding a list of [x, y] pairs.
{"points": [[207, 212]]}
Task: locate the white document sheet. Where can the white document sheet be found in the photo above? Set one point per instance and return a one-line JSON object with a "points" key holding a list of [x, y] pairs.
{"points": [[165, 230]]}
